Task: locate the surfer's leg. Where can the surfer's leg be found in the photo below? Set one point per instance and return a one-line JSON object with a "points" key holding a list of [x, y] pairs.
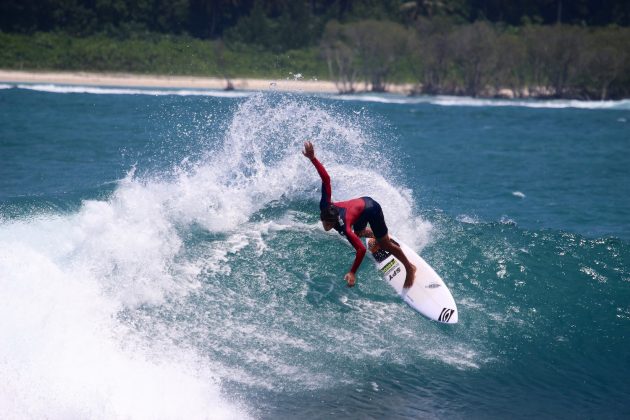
{"points": [[377, 223], [387, 244]]}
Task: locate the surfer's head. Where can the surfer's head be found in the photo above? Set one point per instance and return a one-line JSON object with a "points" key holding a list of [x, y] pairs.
{"points": [[329, 216]]}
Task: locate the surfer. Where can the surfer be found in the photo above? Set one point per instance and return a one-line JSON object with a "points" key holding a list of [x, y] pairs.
{"points": [[350, 218]]}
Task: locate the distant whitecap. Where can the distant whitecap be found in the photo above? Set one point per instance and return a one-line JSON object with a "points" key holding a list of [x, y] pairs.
{"points": [[97, 90], [518, 194], [463, 101], [464, 218]]}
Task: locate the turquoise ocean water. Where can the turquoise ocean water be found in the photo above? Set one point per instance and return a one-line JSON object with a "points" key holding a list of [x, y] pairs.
{"points": [[161, 257]]}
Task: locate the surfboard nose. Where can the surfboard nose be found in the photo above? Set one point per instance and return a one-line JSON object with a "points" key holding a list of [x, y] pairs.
{"points": [[454, 318]]}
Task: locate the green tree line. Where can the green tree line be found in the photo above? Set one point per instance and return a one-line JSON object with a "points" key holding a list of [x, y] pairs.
{"points": [[555, 48], [480, 59], [285, 24]]}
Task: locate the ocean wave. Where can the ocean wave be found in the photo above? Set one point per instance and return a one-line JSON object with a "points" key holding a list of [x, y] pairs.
{"points": [[176, 283], [476, 102], [440, 100], [215, 284], [531, 103], [97, 90]]}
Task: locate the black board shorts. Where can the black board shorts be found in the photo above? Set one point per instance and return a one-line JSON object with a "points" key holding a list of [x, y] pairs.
{"points": [[372, 214]]}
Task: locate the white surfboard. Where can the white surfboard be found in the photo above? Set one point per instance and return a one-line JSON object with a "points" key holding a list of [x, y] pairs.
{"points": [[428, 295]]}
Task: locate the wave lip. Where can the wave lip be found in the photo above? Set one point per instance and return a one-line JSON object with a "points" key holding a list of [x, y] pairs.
{"points": [[98, 90]]}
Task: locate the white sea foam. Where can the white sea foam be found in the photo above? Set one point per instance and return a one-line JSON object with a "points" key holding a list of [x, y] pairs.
{"points": [[461, 357], [5, 86], [383, 99], [518, 194], [96, 90], [64, 279], [593, 274], [506, 220]]}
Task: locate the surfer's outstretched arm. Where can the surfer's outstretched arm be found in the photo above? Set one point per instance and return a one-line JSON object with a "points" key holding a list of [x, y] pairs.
{"points": [[350, 277], [309, 152]]}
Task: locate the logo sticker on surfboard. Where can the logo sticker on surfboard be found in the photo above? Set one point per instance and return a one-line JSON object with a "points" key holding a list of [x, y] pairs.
{"points": [[446, 315], [389, 266]]}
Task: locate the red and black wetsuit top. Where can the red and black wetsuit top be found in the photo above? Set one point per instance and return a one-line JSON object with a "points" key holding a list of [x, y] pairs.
{"points": [[350, 213]]}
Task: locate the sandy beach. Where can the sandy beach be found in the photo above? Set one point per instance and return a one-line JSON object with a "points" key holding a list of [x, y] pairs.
{"points": [[163, 81]]}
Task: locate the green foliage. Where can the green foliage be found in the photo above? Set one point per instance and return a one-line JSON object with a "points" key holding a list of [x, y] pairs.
{"points": [[155, 54], [289, 23], [369, 48], [554, 61]]}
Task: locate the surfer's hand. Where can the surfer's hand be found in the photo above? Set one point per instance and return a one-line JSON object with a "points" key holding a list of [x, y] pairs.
{"points": [[366, 233], [350, 278], [308, 151]]}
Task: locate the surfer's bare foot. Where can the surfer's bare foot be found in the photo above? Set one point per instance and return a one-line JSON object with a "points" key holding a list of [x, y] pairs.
{"points": [[411, 275]]}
